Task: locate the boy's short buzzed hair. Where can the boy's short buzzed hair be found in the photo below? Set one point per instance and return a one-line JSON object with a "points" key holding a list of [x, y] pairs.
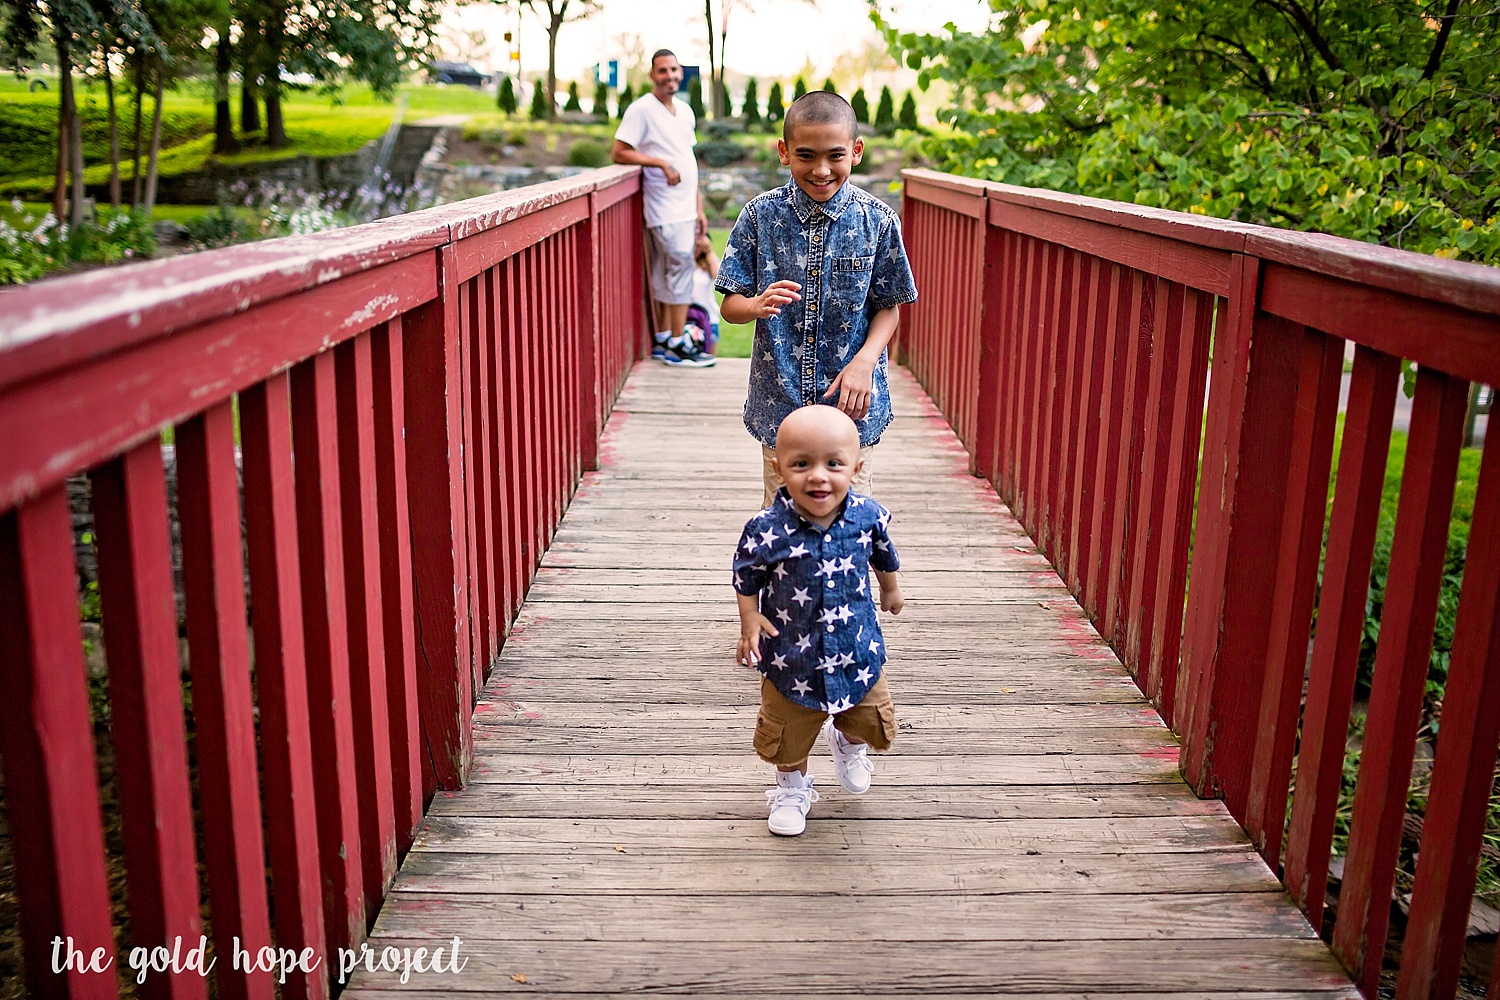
{"points": [[819, 107]]}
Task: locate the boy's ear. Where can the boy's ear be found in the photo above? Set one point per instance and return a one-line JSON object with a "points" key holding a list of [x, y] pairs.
{"points": [[776, 468], [858, 152], [783, 152]]}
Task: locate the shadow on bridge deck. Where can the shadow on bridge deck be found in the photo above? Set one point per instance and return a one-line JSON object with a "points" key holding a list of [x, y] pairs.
{"points": [[1028, 835]]}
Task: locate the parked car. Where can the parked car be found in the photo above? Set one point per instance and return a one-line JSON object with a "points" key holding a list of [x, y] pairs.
{"points": [[443, 71]]}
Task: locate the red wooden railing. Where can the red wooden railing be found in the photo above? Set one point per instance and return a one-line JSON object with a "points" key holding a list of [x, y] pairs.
{"points": [[414, 402], [1069, 341]]}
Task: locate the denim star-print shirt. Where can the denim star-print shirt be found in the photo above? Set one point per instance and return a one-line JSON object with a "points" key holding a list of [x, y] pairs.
{"points": [[847, 255], [814, 584]]}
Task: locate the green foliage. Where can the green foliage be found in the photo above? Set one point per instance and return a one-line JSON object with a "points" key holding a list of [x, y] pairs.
{"points": [[885, 113], [1371, 121], [695, 99], [220, 228], [775, 109], [39, 247], [507, 97], [588, 153], [627, 98], [574, 104], [799, 88], [861, 106], [539, 110], [908, 116], [721, 152], [601, 99], [751, 109], [828, 86], [28, 135]]}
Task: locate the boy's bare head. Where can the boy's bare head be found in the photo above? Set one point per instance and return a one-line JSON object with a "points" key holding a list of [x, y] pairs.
{"points": [[817, 457], [819, 107]]}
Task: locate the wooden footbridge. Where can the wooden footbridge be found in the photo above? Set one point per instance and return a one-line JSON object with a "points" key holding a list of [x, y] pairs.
{"points": [[455, 631]]}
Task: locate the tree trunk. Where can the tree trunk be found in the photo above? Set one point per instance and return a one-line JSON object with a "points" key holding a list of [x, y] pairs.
{"points": [[275, 38], [223, 121], [150, 202], [249, 92], [135, 153], [64, 129], [75, 157], [114, 134], [713, 75], [553, 27]]}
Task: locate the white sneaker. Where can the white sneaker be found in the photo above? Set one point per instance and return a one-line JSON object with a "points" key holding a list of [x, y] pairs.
{"points": [[789, 808], [851, 761]]}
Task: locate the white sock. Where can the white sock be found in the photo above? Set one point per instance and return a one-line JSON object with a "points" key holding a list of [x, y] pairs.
{"points": [[662, 336], [792, 779]]}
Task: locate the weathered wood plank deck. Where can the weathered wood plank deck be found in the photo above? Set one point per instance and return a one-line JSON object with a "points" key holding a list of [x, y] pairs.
{"points": [[1028, 835]]}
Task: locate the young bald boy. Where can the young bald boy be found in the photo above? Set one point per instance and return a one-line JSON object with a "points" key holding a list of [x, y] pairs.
{"points": [[819, 266], [807, 618]]}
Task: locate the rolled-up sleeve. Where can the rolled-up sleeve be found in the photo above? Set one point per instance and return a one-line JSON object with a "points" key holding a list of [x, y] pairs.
{"points": [[892, 283], [737, 269]]}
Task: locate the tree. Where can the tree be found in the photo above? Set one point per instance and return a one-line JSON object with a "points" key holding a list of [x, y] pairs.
{"points": [[1372, 121], [627, 98], [829, 87], [718, 91], [695, 96], [885, 113], [861, 106], [775, 110], [574, 104], [507, 96], [799, 89], [541, 107], [750, 111], [553, 15], [908, 116], [601, 99]]}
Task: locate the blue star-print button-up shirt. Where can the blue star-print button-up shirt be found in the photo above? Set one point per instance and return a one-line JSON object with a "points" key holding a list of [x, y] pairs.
{"points": [[814, 584], [847, 255]]}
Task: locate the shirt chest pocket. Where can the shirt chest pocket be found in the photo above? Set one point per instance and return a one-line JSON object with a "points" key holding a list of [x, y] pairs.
{"points": [[851, 278]]}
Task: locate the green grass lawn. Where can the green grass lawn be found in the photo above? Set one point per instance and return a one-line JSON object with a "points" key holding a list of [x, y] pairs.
{"points": [[317, 124]]}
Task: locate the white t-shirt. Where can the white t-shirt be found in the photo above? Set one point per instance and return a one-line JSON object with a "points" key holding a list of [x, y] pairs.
{"points": [[703, 292], [653, 130]]}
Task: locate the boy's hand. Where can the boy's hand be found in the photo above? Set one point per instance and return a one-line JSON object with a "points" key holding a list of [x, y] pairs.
{"points": [[854, 385], [779, 293], [752, 627], [891, 600]]}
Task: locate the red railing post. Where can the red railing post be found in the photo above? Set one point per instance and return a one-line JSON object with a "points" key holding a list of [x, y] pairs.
{"points": [[588, 344], [433, 382], [47, 742]]}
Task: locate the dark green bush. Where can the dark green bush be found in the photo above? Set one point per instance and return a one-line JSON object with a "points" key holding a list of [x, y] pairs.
{"points": [[751, 109], [574, 104], [775, 109], [861, 106], [908, 116], [507, 97], [588, 153], [885, 113], [721, 152], [539, 101]]}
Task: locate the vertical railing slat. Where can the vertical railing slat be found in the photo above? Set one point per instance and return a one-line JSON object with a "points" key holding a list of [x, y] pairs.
{"points": [[488, 620], [1341, 619], [1418, 554], [213, 579], [146, 724], [369, 707], [47, 741], [281, 677]]}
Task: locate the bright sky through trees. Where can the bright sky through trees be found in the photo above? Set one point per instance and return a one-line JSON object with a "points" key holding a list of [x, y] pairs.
{"points": [[775, 38]]}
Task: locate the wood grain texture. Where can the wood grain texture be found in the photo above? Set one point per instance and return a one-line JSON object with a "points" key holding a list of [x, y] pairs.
{"points": [[613, 834]]}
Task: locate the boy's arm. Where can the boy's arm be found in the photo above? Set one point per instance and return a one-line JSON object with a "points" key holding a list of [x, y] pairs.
{"points": [[890, 592], [737, 308], [753, 625], [856, 382]]}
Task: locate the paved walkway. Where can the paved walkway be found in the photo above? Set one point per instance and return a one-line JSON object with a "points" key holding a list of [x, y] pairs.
{"points": [[1028, 835]]}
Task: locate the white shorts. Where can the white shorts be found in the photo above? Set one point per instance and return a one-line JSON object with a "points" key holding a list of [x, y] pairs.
{"points": [[671, 251]]}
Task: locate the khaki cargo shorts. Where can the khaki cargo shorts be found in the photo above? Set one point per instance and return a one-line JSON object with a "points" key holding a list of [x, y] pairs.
{"points": [[786, 731]]}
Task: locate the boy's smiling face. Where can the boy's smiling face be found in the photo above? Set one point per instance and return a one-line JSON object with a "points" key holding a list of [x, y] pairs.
{"points": [[817, 457], [821, 156]]}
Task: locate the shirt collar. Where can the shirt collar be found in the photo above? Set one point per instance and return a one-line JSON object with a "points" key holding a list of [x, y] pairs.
{"points": [[807, 209]]}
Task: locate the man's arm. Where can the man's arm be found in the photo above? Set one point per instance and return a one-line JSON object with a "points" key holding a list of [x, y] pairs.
{"points": [[856, 382], [624, 152]]}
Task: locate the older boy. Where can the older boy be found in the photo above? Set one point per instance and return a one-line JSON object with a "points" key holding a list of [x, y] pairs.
{"points": [[807, 621], [819, 265]]}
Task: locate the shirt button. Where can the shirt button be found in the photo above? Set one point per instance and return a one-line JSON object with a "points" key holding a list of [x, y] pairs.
{"points": [[830, 584], [830, 628], [827, 538], [812, 307]]}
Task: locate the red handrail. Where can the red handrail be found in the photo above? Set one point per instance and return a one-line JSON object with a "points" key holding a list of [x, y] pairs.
{"points": [[1069, 341], [414, 401]]}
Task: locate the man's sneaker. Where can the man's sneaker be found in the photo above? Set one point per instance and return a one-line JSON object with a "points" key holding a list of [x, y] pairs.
{"points": [[683, 353], [789, 806], [659, 345], [851, 761]]}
